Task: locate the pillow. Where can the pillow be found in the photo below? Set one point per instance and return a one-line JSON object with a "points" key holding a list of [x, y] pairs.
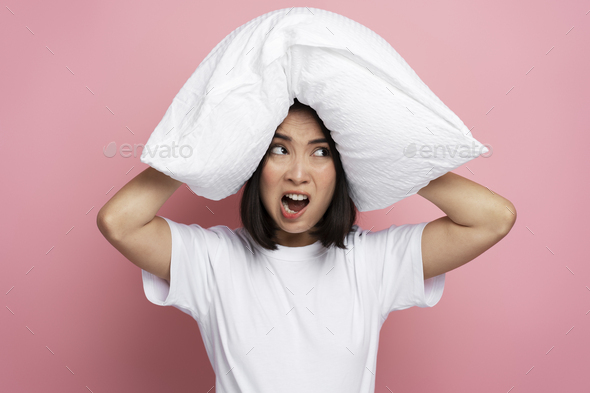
{"points": [[393, 134]]}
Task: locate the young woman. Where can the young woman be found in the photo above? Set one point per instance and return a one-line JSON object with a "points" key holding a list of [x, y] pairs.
{"points": [[294, 300]]}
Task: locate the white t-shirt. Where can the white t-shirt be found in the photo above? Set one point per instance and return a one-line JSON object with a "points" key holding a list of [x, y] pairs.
{"points": [[298, 319]]}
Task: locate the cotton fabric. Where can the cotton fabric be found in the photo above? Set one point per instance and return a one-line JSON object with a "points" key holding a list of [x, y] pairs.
{"points": [[298, 318]]}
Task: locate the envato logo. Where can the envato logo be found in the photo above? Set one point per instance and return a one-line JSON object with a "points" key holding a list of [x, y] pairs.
{"points": [[165, 151], [462, 150]]}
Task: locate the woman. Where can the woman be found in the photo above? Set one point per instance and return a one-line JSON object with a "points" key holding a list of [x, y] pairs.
{"points": [[294, 300]]}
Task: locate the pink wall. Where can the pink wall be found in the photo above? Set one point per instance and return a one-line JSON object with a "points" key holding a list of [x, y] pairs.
{"points": [[77, 76]]}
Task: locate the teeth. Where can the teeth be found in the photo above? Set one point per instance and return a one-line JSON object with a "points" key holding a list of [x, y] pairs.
{"points": [[296, 197]]}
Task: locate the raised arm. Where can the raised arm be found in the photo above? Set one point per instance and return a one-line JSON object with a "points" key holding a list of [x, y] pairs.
{"points": [[129, 222], [475, 220]]}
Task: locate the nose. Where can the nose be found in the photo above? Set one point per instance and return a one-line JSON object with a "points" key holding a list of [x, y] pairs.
{"points": [[298, 171]]}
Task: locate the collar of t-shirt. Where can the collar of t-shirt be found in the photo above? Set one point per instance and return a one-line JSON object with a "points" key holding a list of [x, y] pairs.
{"points": [[295, 254]]}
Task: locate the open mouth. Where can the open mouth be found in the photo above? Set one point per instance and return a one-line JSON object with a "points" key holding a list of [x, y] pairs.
{"points": [[293, 207]]}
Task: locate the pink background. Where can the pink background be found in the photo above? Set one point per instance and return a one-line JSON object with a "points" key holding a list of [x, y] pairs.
{"points": [[76, 76]]}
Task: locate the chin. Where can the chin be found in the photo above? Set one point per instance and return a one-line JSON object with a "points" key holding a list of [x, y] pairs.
{"points": [[295, 227]]}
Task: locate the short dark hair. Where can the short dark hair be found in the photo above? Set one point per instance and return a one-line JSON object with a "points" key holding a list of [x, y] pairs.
{"points": [[334, 225]]}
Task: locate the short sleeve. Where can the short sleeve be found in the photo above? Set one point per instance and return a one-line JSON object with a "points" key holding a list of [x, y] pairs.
{"points": [[394, 257], [191, 271]]}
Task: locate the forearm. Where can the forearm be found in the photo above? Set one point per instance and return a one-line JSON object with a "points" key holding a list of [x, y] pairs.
{"points": [[137, 202], [468, 203]]}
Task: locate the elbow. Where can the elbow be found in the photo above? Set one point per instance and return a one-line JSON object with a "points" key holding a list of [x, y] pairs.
{"points": [[105, 225], [101, 221], [508, 219]]}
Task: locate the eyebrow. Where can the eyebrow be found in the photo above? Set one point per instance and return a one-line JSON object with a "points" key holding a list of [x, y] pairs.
{"points": [[288, 138]]}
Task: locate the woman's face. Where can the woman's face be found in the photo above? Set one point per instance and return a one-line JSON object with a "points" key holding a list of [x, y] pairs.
{"points": [[298, 166]]}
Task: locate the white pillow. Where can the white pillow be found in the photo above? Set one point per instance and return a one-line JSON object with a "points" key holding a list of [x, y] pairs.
{"points": [[381, 115]]}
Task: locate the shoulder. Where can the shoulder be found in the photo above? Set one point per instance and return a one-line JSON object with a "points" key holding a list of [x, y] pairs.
{"points": [[211, 238], [358, 233], [389, 236], [234, 239]]}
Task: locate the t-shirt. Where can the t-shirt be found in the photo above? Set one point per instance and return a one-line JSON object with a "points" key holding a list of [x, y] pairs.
{"points": [[297, 319]]}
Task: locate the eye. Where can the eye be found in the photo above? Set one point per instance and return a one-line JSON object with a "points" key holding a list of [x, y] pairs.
{"points": [[326, 150], [274, 147]]}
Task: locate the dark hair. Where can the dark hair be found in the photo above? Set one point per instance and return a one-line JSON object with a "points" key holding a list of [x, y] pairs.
{"points": [[334, 225]]}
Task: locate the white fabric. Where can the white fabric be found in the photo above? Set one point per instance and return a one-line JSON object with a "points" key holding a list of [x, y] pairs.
{"points": [[298, 319], [393, 133]]}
